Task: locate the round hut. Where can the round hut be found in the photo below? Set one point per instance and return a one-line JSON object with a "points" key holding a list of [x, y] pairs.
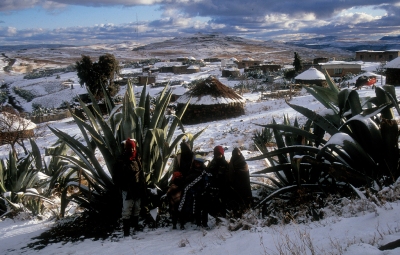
{"points": [[311, 76], [210, 100]]}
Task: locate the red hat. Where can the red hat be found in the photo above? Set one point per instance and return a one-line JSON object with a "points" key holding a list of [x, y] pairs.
{"points": [[130, 148], [176, 175], [219, 150]]}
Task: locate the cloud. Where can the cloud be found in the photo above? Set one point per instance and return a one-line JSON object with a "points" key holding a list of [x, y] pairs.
{"points": [[260, 19]]}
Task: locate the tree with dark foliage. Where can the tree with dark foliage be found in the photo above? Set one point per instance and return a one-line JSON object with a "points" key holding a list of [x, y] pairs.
{"points": [[93, 74], [297, 63]]}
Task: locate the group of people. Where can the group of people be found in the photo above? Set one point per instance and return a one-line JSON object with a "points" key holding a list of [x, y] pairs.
{"points": [[195, 190]]}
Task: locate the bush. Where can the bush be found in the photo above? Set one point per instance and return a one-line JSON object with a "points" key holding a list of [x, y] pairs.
{"points": [[25, 94]]}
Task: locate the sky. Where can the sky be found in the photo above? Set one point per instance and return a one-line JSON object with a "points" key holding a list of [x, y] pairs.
{"points": [[104, 21]]}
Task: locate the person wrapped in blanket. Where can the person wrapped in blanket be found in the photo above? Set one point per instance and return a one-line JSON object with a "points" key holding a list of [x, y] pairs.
{"points": [[195, 194]]}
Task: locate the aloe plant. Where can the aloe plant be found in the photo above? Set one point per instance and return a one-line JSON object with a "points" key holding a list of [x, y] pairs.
{"points": [[20, 179], [362, 149], [151, 129]]}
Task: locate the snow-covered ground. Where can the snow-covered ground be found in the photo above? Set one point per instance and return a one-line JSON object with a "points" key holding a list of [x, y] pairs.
{"points": [[359, 228]]}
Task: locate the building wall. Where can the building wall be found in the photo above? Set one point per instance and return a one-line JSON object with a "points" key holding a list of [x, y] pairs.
{"points": [[146, 79], [245, 64], [179, 69], [230, 73], [393, 76], [51, 117], [321, 83], [376, 56], [338, 70]]}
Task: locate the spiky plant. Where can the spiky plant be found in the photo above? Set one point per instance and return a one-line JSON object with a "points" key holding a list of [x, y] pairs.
{"points": [[361, 150], [20, 180], [102, 139]]}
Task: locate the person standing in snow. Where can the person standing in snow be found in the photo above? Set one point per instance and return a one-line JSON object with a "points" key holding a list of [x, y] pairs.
{"points": [[183, 160], [194, 200], [240, 180], [130, 178], [218, 167], [174, 195]]}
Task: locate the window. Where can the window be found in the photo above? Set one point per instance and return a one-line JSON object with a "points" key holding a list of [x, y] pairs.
{"points": [[380, 56], [337, 70], [361, 56]]}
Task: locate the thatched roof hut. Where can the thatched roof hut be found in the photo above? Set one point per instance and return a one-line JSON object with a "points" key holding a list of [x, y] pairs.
{"points": [[311, 76], [210, 100]]}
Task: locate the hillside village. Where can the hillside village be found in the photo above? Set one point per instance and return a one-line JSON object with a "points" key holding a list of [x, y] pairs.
{"points": [[229, 88]]}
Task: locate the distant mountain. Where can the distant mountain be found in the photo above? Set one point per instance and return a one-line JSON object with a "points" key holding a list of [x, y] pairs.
{"points": [[385, 38], [32, 46], [355, 44]]}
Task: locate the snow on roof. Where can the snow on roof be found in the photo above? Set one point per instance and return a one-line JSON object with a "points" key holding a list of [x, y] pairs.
{"points": [[337, 62], [17, 123], [233, 59], [193, 67], [209, 92], [247, 59], [310, 74], [192, 58], [395, 63], [178, 90]]}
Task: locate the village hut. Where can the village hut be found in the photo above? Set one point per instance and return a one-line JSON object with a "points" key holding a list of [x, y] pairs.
{"points": [[231, 72], [393, 72], [193, 69], [210, 100], [311, 76], [12, 126]]}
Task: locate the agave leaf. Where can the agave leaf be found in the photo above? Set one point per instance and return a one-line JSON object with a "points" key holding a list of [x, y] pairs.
{"points": [[105, 143], [383, 97], [325, 96], [330, 82], [316, 118], [284, 150], [391, 94], [390, 137], [368, 135], [349, 99], [84, 154], [2, 174], [36, 154], [287, 189], [275, 182], [295, 130], [158, 114], [360, 159], [107, 98], [177, 121], [273, 169]]}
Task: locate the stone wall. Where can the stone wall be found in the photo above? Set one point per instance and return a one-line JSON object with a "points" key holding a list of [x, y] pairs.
{"points": [[51, 117]]}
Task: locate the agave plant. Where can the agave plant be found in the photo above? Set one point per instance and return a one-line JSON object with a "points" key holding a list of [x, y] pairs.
{"points": [[20, 180], [102, 138], [361, 149]]}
